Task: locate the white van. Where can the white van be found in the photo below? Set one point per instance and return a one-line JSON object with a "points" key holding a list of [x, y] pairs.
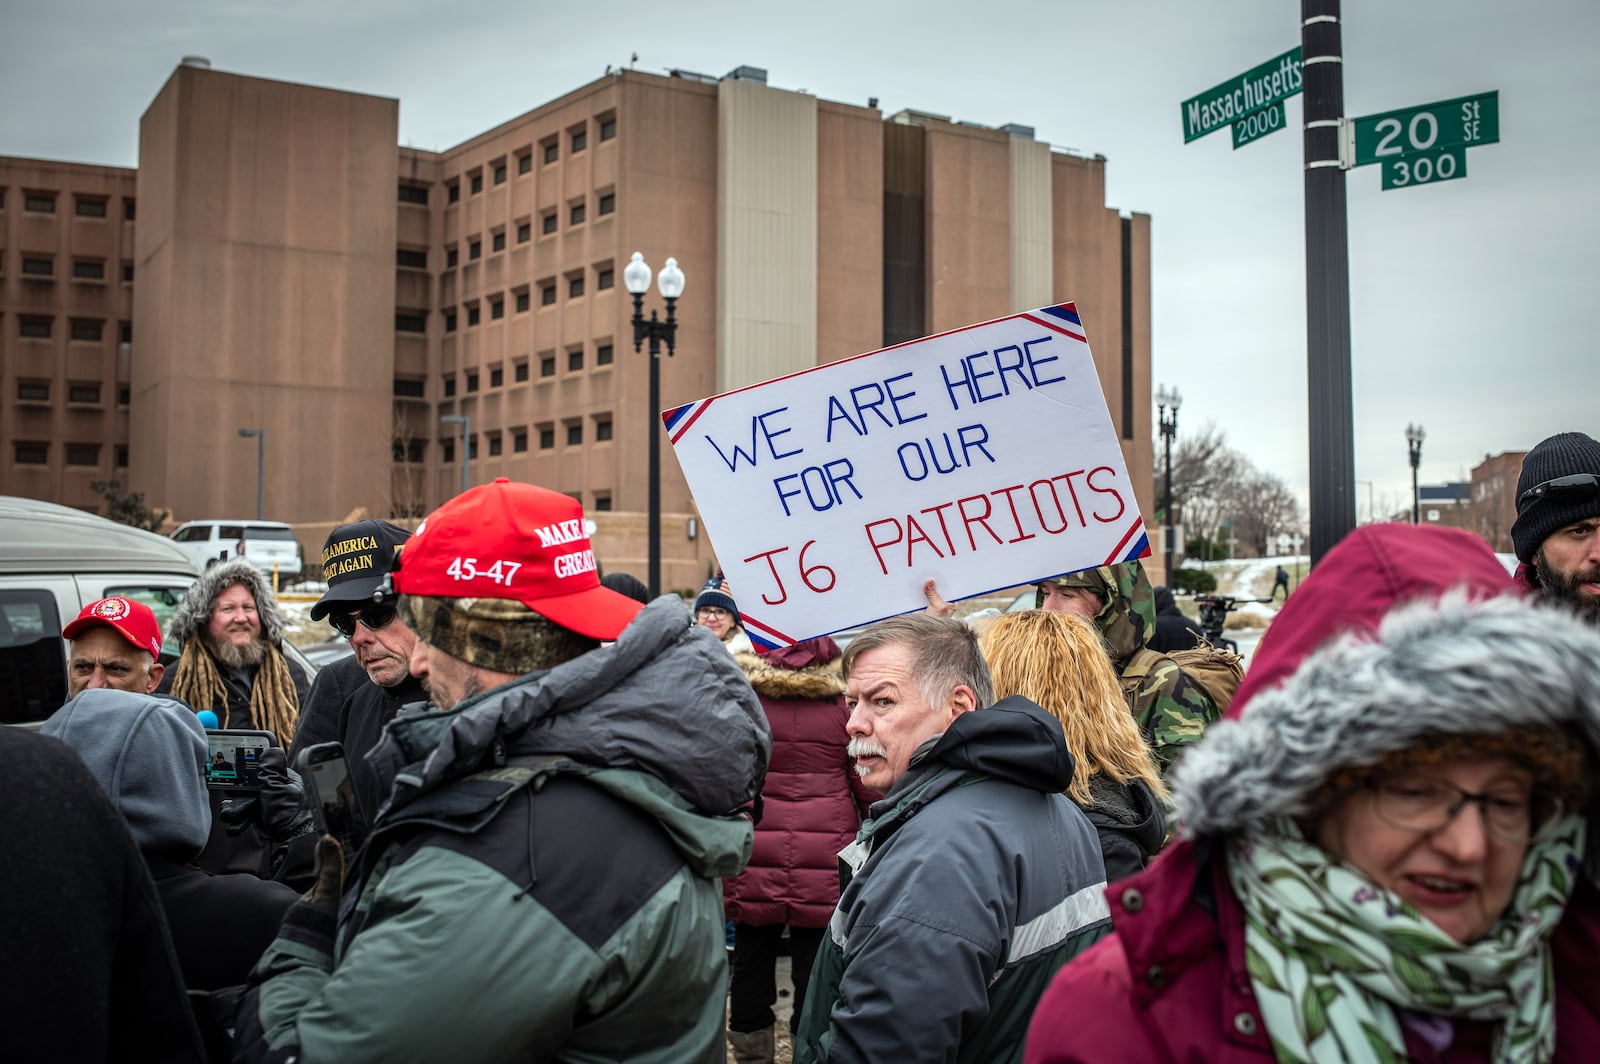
{"points": [[267, 545]]}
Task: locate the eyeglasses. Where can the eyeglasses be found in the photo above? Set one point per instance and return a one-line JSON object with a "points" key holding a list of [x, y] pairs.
{"points": [[1575, 487], [715, 612], [371, 617], [1425, 804]]}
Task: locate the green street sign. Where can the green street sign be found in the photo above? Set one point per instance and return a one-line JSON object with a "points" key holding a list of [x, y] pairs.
{"points": [[1258, 125], [1256, 89], [1426, 167], [1466, 121]]}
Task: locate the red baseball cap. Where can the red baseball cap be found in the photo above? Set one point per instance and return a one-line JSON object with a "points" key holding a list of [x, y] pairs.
{"points": [[134, 621], [515, 541]]}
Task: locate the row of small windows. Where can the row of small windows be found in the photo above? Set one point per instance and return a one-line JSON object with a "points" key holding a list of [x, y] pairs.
{"points": [[577, 214], [413, 450], [77, 454], [605, 278], [41, 266], [86, 393], [413, 388], [549, 150], [42, 327], [44, 202]]}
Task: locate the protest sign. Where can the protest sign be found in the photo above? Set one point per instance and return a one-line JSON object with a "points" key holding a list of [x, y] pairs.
{"points": [[982, 458]]}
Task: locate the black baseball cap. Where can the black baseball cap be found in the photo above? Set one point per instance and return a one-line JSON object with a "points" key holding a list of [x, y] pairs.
{"points": [[355, 559]]}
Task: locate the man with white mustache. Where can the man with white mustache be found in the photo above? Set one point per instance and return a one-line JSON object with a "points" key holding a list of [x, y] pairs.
{"points": [[973, 879]]}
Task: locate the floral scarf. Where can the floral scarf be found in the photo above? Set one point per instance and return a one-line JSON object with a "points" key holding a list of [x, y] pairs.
{"points": [[1331, 956]]}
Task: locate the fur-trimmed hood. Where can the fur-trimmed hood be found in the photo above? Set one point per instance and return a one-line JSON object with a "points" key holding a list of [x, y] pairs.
{"points": [[194, 612], [816, 676], [1457, 666]]}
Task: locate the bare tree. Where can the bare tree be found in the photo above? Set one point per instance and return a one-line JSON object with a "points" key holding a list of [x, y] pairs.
{"points": [[1214, 485], [1262, 508], [408, 496]]}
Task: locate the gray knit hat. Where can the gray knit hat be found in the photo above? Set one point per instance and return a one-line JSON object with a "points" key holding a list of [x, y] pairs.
{"points": [[1562, 455]]}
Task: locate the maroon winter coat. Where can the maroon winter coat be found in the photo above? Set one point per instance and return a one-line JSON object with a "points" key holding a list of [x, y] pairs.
{"points": [[1170, 983], [812, 801]]}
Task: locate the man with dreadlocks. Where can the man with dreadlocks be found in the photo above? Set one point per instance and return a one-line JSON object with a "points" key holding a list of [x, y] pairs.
{"points": [[232, 662]]}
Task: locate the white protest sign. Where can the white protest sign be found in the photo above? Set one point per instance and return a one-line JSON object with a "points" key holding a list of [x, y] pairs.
{"points": [[982, 458]]}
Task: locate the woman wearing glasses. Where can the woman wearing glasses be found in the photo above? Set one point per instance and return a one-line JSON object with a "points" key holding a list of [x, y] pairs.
{"points": [[1377, 848]]}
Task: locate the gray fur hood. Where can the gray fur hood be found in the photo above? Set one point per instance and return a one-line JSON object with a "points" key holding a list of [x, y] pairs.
{"points": [[194, 612], [1458, 667], [665, 699]]}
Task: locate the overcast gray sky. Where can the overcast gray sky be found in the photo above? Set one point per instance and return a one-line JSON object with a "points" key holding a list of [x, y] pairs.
{"points": [[1466, 297]]}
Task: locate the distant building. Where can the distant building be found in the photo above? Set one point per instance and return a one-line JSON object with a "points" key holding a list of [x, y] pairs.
{"points": [[1494, 497], [292, 270], [1445, 504]]}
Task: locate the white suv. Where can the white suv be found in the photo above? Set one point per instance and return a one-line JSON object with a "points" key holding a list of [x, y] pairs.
{"points": [[265, 544]]}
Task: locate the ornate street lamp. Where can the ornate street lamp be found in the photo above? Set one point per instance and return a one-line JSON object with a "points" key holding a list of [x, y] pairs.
{"points": [[636, 278], [1414, 436], [1168, 400]]}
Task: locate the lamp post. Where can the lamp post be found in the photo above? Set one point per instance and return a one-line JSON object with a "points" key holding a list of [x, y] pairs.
{"points": [[261, 466], [465, 421], [1168, 399], [1414, 436], [636, 277]]}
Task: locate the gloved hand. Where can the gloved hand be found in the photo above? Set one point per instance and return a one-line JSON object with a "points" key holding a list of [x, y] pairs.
{"points": [[280, 807], [327, 885]]}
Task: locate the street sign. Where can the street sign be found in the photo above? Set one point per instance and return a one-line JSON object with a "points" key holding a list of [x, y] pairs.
{"points": [[1466, 121], [1255, 90], [1254, 127], [1425, 168]]}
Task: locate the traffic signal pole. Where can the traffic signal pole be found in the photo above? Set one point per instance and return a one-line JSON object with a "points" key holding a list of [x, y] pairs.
{"points": [[1331, 420]]}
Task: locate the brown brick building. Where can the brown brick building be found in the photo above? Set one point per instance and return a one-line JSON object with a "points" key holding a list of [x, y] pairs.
{"points": [[296, 272]]}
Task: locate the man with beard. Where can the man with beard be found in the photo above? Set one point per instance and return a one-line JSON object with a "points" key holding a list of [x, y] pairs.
{"points": [[232, 663], [1557, 530]]}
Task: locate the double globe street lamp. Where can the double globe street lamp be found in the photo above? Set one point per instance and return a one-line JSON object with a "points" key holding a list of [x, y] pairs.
{"points": [[1414, 436], [1168, 399], [636, 278]]}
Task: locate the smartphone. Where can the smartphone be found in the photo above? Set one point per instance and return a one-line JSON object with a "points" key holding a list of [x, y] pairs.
{"points": [[326, 777], [233, 758]]}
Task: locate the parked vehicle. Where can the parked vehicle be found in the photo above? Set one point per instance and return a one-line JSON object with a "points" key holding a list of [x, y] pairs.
{"points": [[267, 545], [55, 560]]}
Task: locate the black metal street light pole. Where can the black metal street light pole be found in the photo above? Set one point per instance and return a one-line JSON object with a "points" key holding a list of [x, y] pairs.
{"points": [[261, 467], [1414, 437], [636, 277], [1166, 400], [465, 421]]}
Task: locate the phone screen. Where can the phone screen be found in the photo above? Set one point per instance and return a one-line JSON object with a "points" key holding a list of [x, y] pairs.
{"points": [[233, 759], [327, 777]]}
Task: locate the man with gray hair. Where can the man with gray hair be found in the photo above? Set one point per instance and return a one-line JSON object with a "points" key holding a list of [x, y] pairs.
{"points": [[974, 878]]}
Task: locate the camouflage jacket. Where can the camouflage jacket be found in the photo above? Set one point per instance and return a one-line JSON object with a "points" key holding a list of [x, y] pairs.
{"points": [[1171, 711]]}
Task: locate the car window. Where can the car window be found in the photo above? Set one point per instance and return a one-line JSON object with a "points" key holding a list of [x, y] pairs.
{"points": [[163, 601], [267, 532], [33, 670], [192, 534], [230, 532]]}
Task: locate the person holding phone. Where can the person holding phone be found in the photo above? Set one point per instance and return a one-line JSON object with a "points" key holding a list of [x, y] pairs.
{"points": [[542, 878]]}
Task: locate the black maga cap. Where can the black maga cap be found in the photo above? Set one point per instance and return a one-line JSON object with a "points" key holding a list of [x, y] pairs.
{"points": [[355, 559]]}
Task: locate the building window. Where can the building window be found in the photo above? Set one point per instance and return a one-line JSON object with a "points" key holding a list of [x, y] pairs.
{"points": [[497, 377], [602, 429], [576, 215], [547, 366], [127, 273], [408, 450], [500, 173], [38, 266], [449, 386], [575, 434], [85, 207], [417, 194], [447, 450], [547, 437], [88, 394], [603, 355], [411, 259], [552, 151], [608, 127], [476, 184], [122, 456], [547, 295], [524, 232], [580, 139], [87, 329], [408, 388], [411, 323], [525, 162], [34, 327], [575, 286], [130, 210], [472, 313], [40, 203], [604, 278], [497, 309], [83, 454], [472, 445], [522, 302], [449, 321], [574, 360], [452, 257], [472, 383], [475, 249], [519, 373], [124, 394], [452, 192], [494, 445], [125, 332], [497, 241], [519, 441], [602, 503], [33, 391], [608, 203], [33, 453], [547, 224]]}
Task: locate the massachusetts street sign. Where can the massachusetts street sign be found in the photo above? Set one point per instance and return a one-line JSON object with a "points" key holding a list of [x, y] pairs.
{"points": [[1425, 167], [1258, 125], [1256, 89], [1466, 121]]}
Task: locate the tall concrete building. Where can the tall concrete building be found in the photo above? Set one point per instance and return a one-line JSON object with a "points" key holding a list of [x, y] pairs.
{"points": [[292, 270]]}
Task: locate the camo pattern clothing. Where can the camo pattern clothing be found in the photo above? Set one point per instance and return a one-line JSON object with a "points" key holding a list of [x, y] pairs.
{"points": [[1171, 711]]}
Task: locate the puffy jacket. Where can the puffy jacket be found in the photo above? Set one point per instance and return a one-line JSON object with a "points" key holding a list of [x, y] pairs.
{"points": [[541, 882], [812, 801], [974, 879]]}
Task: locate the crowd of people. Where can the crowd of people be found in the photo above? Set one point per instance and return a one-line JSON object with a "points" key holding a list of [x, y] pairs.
{"points": [[583, 826]]}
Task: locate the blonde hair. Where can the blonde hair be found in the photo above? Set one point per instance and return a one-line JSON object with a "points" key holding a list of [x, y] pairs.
{"points": [[1059, 661]]}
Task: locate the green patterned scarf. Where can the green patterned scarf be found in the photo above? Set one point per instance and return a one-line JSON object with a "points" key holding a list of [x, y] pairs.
{"points": [[1331, 955]]}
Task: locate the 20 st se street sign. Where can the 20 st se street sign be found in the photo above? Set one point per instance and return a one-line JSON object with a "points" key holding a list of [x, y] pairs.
{"points": [[1465, 122], [1257, 88]]}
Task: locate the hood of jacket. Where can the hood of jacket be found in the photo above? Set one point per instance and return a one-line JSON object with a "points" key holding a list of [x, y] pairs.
{"points": [[1129, 808], [665, 699], [815, 680], [1467, 661], [1165, 602], [194, 612], [149, 753], [1013, 740], [1127, 619]]}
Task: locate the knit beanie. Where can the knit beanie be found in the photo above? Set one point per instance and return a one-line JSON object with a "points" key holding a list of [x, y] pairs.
{"points": [[1560, 455], [717, 593]]}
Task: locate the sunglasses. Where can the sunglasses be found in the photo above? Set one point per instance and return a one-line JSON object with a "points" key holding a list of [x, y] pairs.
{"points": [[371, 617], [1575, 487]]}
